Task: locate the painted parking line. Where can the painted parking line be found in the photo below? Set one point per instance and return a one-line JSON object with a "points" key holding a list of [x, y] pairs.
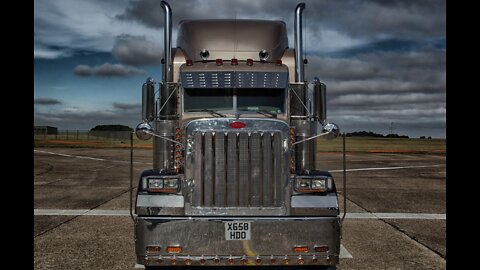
{"points": [[332, 171], [79, 212], [125, 213], [389, 168], [365, 215], [344, 254], [90, 158]]}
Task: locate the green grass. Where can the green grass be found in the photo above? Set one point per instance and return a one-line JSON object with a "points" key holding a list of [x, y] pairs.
{"points": [[367, 144], [83, 140], [353, 144]]}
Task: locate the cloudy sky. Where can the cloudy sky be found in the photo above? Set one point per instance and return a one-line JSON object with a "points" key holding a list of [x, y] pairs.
{"points": [[383, 61]]}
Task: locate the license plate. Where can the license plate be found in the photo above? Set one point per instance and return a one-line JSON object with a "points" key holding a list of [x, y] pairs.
{"points": [[235, 230]]}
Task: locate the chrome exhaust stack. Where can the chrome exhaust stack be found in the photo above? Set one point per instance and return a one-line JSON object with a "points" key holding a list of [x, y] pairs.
{"points": [[299, 65], [167, 43]]}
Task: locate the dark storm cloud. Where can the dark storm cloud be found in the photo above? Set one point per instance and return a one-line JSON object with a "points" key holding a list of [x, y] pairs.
{"points": [[354, 17], [372, 90], [47, 101], [108, 70], [150, 13], [133, 50], [126, 106]]}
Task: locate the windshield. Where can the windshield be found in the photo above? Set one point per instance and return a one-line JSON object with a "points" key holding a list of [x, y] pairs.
{"points": [[269, 101]]}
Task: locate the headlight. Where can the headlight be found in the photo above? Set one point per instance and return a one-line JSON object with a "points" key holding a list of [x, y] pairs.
{"points": [[319, 184], [161, 184], [170, 183], [154, 184], [313, 184]]}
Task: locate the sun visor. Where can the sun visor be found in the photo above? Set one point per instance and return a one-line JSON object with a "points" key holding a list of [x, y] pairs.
{"points": [[208, 75]]}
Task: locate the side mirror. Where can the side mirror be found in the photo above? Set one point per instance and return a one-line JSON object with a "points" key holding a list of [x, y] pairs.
{"points": [[144, 131], [332, 129], [319, 101], [148, 100]]}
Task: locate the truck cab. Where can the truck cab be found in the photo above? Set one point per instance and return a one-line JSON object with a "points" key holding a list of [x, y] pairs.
{"points": [[234, 124]]}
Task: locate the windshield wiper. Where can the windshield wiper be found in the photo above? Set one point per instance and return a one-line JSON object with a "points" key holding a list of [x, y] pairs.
{"points": [[263, 112], [212, 112], [266, 113]]}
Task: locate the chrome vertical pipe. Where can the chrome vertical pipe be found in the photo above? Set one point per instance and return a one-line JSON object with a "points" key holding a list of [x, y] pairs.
{"points": [[299, 66], [167, 42]]}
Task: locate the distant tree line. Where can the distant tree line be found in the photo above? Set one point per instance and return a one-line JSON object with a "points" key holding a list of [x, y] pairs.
{"points": [[111, 128], [373, 134]]}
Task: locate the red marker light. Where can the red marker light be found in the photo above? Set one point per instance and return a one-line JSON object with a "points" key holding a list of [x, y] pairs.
{"points": [[234, 61], [237, 124], [219, 62], [249, 62], [279, 62], [189, 62]]}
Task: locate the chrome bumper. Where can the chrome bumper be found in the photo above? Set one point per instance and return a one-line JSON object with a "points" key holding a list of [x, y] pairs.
{"points": [[273, 239]]}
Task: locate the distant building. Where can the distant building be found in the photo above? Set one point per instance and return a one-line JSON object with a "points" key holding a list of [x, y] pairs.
{"points": [[44, 130]]}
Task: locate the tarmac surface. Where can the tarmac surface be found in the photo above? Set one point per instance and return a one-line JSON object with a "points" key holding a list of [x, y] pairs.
{"points": [[396, 205]]}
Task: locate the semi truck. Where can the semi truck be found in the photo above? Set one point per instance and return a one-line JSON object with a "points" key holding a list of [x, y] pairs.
{"points": [[234, 125]]}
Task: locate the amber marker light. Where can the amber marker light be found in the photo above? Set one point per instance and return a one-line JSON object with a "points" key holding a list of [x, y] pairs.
{"points": [[153, 249], [174, 249], [321, 248], [303, 249]]}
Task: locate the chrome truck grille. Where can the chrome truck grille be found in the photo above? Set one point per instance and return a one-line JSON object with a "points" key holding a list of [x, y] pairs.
{"points": [[237, 169], [242, 170]]}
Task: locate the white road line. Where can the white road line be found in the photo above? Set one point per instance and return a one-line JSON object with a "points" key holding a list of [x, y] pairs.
{"points": [[125, 213], [366, 215], [344, 254], [389, 168], [91, 158], [79, 212]]}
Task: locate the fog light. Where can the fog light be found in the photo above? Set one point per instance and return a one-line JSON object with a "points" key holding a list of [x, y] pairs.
{"points": [[202, 261], [216, 260], [300, 261], [244, 261], [258, 260], [286, 261], [231, 261], [314, 259], [173, 262], [273, 260]]}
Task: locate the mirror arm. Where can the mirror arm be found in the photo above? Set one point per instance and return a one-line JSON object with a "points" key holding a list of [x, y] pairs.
{"points": [[313, 137], [161, 137]]}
